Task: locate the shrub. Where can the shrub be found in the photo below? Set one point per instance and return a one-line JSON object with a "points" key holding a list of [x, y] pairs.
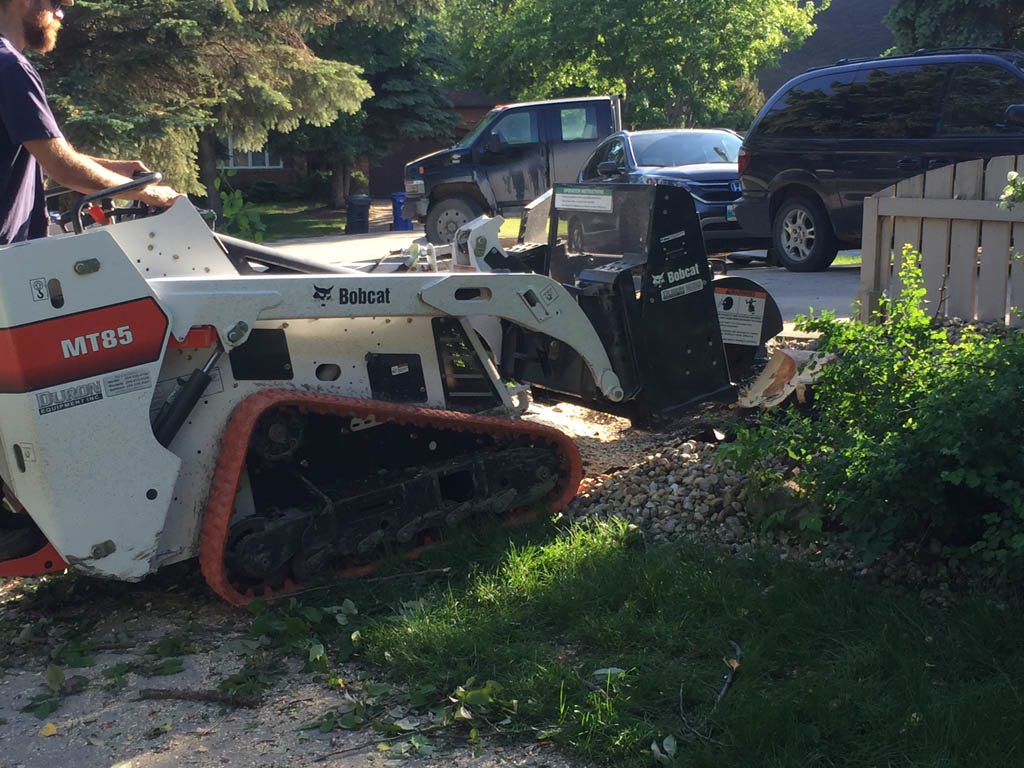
{"points": [[239, 216], [916, 432]]}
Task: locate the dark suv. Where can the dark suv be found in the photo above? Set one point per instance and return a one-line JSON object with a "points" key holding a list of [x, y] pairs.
{"points": [[835, 135]]}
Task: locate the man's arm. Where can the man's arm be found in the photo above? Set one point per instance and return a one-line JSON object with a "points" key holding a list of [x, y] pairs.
{"points": [[67, 166], [123, 167]]}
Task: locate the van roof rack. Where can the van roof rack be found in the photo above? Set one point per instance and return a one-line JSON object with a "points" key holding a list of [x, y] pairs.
{"points": [[968, 49], [1011, 54]]}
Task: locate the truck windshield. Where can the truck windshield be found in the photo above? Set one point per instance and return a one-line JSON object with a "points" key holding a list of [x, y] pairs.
{"points": [[467, 141], [669, 148]]}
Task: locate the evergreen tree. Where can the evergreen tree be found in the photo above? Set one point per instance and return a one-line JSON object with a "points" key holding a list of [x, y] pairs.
{"points": [[404, 65], [162, 78]]}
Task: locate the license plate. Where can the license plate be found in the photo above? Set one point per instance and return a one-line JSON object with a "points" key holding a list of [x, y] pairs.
{"points": [[730, 213]]}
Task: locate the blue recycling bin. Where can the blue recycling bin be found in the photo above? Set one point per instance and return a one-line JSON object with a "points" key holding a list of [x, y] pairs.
{"points": [[398, 223], [357, 215]]}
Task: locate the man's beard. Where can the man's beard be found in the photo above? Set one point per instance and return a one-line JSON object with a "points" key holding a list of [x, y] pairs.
{"points": [[39, 35]]}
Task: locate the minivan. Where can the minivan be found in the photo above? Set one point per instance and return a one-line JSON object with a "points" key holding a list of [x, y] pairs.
{"points": [[835, 135]]}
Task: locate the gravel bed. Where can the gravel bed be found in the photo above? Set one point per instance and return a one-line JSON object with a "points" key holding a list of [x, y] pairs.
{"points": [[682, 494]]}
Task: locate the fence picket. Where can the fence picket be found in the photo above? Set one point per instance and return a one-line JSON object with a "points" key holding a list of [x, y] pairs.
{"points": [[1016, 299], [964, 237], [938, 185], [993, 263], [906, 229]]}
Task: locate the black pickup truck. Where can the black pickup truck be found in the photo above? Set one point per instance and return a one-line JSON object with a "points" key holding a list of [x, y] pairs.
{"points": [[515, 153]]}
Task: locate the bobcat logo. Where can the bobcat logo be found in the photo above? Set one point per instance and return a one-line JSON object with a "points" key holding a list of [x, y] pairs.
{"points": [[322, 294]]}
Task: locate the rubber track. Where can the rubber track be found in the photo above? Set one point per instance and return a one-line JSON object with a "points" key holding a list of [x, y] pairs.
{"points": [[235, 445]]}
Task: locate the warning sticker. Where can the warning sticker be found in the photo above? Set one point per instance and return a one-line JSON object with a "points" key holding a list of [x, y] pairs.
{"points": [[569, 199], [740, 314]]}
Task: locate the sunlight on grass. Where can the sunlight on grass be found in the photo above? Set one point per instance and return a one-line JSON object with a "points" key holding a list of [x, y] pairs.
{"points": [[296, 220], [829, 665]]}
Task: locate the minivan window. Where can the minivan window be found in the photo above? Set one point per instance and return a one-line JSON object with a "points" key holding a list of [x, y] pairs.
{"points": [[978, 97], [813, 108], [578, 123], [898, 102], [518, 128]]}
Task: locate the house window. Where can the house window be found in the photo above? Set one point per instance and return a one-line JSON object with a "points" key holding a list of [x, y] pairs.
{"points": [[238, 159]]}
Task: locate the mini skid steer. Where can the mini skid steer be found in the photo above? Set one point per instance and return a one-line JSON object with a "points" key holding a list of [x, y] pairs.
{"points": [[167, 392]]}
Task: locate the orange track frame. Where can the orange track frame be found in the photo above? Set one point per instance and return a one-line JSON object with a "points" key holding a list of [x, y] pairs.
{"points": [[46, 560], [235, 445]]}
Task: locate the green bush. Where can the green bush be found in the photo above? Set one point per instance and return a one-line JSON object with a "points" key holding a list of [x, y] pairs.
{"points": [[358, 183], [916, 433], [238, 216]]}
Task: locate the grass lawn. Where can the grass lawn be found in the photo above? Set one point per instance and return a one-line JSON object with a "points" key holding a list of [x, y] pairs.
{"points": [[607, 646], [296, 219]]}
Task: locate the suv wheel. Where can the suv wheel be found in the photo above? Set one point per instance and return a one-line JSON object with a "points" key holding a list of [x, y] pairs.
{"points": [[802, 235], [446, 216]]}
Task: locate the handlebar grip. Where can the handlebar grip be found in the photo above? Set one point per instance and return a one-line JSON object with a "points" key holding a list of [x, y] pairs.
{"points": [[137, 183]]}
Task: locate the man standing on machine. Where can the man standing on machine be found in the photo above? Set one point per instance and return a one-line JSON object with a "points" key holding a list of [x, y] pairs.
{"points": [[32, 143]]}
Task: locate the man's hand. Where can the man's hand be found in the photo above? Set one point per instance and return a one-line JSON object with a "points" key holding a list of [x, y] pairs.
{"points": [[156, 195]]}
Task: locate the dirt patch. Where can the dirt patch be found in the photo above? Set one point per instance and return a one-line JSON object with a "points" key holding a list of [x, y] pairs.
{"points": [[110, 722]]}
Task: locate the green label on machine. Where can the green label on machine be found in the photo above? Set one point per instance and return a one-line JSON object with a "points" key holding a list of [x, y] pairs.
{"points": [[585, 199]]}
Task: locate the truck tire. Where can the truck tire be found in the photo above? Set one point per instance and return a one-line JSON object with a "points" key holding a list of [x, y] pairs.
{"points": [[802, 235], [446, 216]]}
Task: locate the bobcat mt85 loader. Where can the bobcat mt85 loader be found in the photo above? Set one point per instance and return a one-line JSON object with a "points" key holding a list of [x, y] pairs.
{"points": [[167, 392]]}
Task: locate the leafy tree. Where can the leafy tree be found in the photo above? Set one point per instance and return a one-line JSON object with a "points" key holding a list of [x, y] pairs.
{"points": [[404, 66], [943, 23], [161, 78], [678, 62]]}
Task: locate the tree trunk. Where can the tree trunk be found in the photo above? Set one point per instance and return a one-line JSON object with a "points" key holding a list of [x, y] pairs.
{"points": [[208, 172], [339, 185]]}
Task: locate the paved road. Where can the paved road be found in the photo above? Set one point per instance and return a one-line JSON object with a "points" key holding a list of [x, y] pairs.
{"points": [[796, 293]]}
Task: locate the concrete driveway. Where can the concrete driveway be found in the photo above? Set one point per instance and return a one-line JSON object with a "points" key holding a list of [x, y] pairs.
{"points": [[798, 292]]}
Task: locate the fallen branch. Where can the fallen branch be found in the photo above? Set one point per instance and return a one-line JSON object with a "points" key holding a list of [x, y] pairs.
{"points": [[702, 730], [734, 666], [208, 696], [359, 747]]}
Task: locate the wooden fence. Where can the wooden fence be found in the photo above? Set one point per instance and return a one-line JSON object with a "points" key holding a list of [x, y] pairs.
{"points": [[968, 244]]}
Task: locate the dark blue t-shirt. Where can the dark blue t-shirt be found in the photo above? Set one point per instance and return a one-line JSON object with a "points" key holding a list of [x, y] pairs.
{"points": [[26, 116]]}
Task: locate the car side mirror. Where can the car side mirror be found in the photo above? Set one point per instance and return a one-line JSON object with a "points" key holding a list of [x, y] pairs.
{"points": [[1015, 114], [608, 168], [493, 144]]}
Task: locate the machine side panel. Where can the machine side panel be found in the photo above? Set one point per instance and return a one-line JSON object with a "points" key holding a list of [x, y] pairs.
{"points": [[81, 361]]}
